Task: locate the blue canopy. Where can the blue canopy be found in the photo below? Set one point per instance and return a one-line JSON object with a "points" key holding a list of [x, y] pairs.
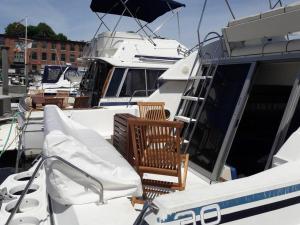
{"points": [[146, 10]]}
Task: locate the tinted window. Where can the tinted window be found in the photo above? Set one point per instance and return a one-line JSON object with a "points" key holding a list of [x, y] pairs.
{"points": [[152, 80], [134, 83], [115, 82], [216, 115], [53, 74]]}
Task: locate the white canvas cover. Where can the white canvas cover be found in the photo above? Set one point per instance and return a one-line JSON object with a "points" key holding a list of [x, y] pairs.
{"points": [[86, 149]]}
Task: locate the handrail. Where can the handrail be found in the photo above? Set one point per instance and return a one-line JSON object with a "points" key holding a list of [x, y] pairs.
{"points": [[16, 208], [137, 91]]}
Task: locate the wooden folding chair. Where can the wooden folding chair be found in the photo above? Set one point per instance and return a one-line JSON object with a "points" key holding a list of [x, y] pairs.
{"points": [[152, 110], [156, 146]]}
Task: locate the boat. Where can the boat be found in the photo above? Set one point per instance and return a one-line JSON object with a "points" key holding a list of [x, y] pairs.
{"points": [[58, 78], [123, 68], [240, 111]]}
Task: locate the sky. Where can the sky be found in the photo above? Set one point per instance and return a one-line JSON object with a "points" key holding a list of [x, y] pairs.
{"points": [[75, 19]]}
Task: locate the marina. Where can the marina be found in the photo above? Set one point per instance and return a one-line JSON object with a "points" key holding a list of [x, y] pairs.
{"points": [[153, 132]]}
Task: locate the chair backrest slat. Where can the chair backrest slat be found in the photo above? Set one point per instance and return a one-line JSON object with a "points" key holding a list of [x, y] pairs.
{"points": [[152, 110]]}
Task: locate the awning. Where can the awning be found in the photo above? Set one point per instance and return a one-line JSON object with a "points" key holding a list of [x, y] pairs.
{"points": [[146, 10]]}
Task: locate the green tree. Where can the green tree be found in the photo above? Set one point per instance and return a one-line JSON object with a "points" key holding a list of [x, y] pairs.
{"points": [[45, 31], [61, 37], [15, 29], [32, 31], [42, 30]]}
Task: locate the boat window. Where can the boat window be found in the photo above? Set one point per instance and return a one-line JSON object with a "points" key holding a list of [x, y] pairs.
{"points": [[134, 84], [152, 80], [257, 129], [216, 115], [73, 75], [52, 74], [115, 82]]}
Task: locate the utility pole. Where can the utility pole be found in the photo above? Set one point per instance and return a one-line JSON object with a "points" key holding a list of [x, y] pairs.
{"points": [[25, 53], [5, 70]]}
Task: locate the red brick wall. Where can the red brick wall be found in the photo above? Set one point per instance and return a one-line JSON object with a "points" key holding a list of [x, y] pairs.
{"points": [[39, 63]]}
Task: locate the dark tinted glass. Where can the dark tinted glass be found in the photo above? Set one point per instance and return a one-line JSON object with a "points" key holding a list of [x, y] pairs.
{"points": [[216, 115], [115, 82], [152, 80], [134, 84]]}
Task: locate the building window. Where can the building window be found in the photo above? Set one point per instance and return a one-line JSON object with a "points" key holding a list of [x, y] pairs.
{"points": [[34, 44], [63, 57], [53, 56], [80, 48], [72, 58], [44, 44], [72, 47], [63, 46], [44, 56], [19, 57], [34, 55], [53, 45], [33, 67]]}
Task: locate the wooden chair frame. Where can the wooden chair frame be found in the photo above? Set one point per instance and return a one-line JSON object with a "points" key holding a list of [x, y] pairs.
{"points": [[156, 146], [152, 110]]}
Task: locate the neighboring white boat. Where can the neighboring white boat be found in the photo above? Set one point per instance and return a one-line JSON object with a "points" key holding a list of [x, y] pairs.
{"points": [[58, 78]]}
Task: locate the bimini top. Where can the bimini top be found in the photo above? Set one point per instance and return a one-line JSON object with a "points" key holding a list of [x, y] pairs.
{"points": [[146, 10]]}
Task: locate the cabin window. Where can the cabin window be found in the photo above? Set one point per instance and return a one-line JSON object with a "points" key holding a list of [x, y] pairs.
{"points": [[53, 74], [216, 115], [115, 82], [152, 80], [134, 84], [140, 82]]}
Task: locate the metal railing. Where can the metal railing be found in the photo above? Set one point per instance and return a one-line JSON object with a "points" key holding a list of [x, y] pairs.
{"points": [[43, 160], [140, 91]]}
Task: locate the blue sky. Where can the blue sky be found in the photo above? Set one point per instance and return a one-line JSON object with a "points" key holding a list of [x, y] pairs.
{"points": [[76, 20]]}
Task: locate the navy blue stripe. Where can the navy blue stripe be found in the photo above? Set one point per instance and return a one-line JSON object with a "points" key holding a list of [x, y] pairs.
{"points": [[242, 214], [116, 103], [157, 57], [242, 200]]}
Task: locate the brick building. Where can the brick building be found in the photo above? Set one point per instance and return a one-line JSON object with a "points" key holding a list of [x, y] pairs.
{"points": [[42, 52]]}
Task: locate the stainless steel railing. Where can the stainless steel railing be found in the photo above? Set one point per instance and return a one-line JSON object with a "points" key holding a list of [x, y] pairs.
{"points": [[43, 160]]}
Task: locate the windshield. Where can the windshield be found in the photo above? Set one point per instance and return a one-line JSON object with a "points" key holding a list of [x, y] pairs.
{"points": [[72, 75], [52, 74]]}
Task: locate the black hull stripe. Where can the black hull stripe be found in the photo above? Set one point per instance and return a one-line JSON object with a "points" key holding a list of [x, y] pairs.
{"points": [[255, 211]]}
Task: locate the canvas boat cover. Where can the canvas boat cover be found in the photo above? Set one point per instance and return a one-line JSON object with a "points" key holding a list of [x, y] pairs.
{"points": [[86, 149], [146, 10]]}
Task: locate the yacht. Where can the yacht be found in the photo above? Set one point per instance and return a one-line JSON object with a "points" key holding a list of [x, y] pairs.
{"points": [[239, 103], [58, 78]]}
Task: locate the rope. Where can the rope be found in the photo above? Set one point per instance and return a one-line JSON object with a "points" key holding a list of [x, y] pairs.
{"points": [[9, 133], [5, 146]]}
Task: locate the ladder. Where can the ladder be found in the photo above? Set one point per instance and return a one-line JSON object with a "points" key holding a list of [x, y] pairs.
{"points": [[193, 99]]}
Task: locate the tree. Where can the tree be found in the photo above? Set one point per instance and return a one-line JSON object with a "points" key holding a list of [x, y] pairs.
{"points": [[42, 31], [32, 31], [45, 31], [61, 37], [15, 29]]}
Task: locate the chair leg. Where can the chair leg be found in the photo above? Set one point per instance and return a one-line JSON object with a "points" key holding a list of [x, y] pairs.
{"points": [[185, 159]]}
